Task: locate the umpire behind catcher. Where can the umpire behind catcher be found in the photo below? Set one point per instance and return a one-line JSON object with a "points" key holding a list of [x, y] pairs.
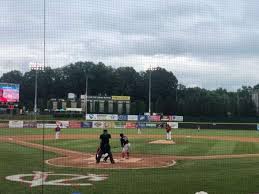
{"points": [[105, 146]]}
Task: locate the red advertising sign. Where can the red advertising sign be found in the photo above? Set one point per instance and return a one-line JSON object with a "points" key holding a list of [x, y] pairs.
{"points": [[130, 125], [74, 124], [154, 118]]}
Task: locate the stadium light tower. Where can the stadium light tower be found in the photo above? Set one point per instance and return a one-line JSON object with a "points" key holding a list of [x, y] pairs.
{"points": [[36, 67], [150, 69], [86, 87]]}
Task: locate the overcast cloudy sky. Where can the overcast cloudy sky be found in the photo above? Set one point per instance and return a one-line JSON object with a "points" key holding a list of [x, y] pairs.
{"points": [[206, 43]]}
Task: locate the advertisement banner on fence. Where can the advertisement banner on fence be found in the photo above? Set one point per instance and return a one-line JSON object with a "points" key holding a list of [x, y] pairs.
{"points": [[141, 125], [39, 125], [98, 124], [109, 124], [15, 124], [74, 124], [174, 125], [46, 125], [154, 118], [101, 117], [257, 127], [130, 125], [142, 118], [106, 117], [29, 124], [112, 117], [132, 117], [50, 125], [91, 116], [176, 118], [150, 125], [86, 124], [62, 124], [4, 125], [165, 118], [122, 117], [119, 125]]}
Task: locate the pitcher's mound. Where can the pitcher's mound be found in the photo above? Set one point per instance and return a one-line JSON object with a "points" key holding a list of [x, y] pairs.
{"points": [[168, 142]]}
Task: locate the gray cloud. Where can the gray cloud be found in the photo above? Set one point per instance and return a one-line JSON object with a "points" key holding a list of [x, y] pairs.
{"points": [[207, 43]]}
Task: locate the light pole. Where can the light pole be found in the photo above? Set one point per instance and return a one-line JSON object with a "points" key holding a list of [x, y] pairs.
{"points": [[36, 67], [149, 93], [86, 87], [149, 89], [36, 91], [176, 93]]}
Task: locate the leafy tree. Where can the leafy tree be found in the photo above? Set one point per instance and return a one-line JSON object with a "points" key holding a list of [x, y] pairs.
{"points": [[168, 96]]}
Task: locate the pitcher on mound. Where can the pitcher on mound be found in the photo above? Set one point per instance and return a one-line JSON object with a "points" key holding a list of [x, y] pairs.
{"points": [[168, 132]]}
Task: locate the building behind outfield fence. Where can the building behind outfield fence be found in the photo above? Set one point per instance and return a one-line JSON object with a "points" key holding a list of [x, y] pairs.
{"points": [[95, 104]]}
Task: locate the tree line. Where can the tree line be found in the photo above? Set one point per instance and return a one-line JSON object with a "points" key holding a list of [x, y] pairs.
{"points": [[168, 96]]}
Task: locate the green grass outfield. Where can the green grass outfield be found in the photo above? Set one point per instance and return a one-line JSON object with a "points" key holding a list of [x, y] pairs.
{"points": [[210, 132], [224, 176]]}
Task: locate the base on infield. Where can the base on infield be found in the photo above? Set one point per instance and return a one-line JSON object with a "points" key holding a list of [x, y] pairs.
{"points": [[167, 142]]}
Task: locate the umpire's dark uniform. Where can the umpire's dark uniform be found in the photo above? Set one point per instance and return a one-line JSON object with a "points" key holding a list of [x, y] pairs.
{"points": [[105, 146]]}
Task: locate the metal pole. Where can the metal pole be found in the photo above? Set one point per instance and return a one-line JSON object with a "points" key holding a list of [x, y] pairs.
{"points": [[149, 92], [44, 66], [36, 90], [86, 86], [176, 97]]}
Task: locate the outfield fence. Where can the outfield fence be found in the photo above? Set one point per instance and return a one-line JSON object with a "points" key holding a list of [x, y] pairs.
{"points": [[124, 124]]}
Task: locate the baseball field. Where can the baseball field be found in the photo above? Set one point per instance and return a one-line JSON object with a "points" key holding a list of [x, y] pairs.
{"points": [[214, 161]]}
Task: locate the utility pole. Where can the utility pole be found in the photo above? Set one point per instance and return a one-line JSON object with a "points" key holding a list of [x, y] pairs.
{"points": [[36, 91], [149, 88], [149, 93], [86, 87], [36, 67], [176, 94]]}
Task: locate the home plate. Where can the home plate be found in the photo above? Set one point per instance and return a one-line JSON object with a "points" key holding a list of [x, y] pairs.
{"points": [[169, 142]]}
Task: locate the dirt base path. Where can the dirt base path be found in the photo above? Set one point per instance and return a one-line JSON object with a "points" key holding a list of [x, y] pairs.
{"points": [[77, 159]]}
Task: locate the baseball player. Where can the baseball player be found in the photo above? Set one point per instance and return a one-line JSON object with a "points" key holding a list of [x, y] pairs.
{"points": [[139, 128], [198, 128], [168, 132], [105, 147], [125, 146], [104, 156], [57, 130]]}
